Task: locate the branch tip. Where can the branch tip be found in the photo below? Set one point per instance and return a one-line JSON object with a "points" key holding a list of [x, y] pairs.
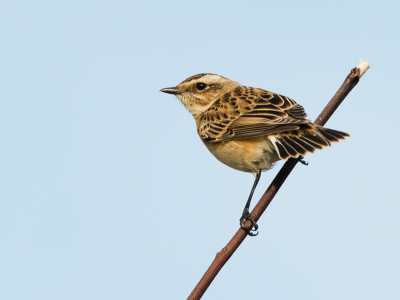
{"points": [[364, 66]]}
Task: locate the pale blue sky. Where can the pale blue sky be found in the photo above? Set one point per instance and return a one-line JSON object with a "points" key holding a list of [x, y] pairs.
{"points": [[107, 192]]}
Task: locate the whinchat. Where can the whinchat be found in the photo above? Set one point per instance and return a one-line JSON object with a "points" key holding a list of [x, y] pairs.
{"points": [[249, 129]]}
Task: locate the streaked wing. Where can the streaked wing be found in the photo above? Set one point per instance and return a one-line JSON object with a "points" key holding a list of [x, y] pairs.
{"points": [[248, 112]]}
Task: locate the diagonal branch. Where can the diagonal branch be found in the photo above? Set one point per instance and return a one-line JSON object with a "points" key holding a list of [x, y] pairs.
{"points": [[223, 256]]}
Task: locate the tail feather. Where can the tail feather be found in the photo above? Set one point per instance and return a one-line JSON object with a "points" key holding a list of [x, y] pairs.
{"points": [[317, 139], [289, 149], [339, 134], [298, 145], [299, 142], [307, 144]]}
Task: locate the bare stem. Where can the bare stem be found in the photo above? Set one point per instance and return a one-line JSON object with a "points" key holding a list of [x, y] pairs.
{"points": [[223, 256]]}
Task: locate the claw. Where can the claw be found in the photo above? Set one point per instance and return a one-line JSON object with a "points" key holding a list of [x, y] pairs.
{"points": [[249, 228], [252, 234], [301, 159]]}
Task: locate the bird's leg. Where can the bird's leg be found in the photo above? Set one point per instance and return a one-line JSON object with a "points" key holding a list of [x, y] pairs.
{"points": [[301, 159], [246, 214]]}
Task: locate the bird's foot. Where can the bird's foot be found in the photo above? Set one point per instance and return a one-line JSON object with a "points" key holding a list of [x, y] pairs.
{"points": [[250, 229], [301, 159]]}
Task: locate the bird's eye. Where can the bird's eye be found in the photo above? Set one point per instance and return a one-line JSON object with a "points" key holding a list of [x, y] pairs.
{"points": [[201, 86]]}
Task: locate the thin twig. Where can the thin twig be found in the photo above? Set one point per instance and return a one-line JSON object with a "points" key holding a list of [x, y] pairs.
{"points": [[223, 256]]}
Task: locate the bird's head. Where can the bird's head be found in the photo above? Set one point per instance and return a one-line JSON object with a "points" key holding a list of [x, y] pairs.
{"points": [[200, 91]]}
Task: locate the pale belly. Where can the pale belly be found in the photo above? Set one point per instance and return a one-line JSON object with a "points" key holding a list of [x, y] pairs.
{"points": [[247, 155]]}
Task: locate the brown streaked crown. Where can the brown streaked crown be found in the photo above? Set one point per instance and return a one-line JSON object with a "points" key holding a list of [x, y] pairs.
{"points": [[202, 90]]}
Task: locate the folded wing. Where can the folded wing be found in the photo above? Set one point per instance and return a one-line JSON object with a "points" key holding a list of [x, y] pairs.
{"points": [[248, 112]]}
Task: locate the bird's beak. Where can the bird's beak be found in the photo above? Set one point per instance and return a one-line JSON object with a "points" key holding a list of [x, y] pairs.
{"points": [[172, 90]]}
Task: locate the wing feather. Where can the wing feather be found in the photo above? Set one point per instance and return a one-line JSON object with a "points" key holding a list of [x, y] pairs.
{"points": [[249, 112]]}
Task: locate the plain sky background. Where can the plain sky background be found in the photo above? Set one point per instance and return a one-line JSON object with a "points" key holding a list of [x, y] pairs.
{"points": [[107, 192]]}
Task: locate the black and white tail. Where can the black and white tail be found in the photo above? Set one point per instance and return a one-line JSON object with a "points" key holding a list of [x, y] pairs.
{"points": [[299, 142]]}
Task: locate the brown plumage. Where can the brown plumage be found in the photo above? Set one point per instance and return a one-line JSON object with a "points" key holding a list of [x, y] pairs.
{"points": [[249, 128]]}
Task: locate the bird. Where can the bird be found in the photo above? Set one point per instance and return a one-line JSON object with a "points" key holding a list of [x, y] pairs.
{"points": [[249, 129]]}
